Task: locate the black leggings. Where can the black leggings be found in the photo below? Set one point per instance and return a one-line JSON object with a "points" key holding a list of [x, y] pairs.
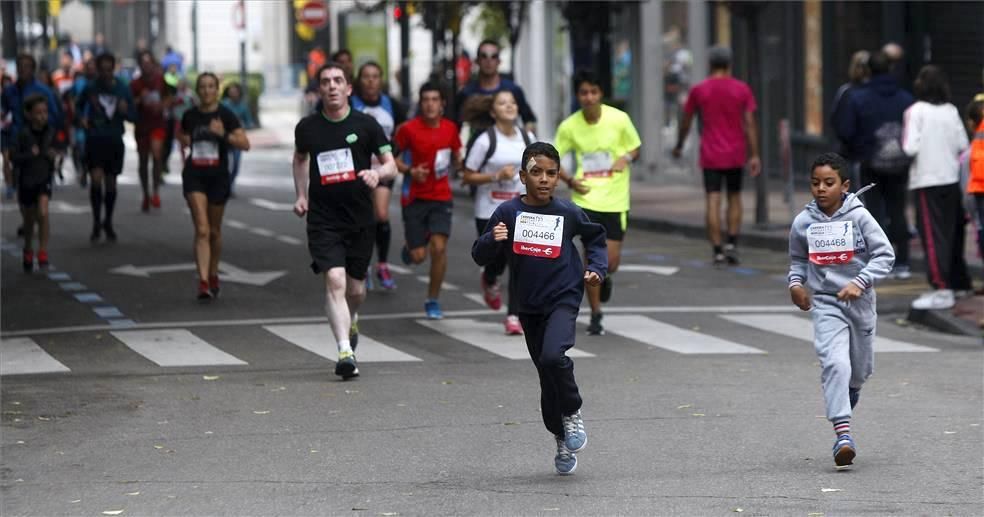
{"points": [[886, 202], [548, 338]]}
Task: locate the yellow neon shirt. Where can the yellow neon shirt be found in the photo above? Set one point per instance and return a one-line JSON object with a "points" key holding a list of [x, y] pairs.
{"points": [[596, 147]]}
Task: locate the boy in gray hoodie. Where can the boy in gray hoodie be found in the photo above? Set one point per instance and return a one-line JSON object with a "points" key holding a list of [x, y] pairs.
{"points": [[838, 251]]}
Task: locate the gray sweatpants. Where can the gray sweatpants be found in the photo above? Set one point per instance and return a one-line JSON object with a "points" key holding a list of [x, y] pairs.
{"points": [[843, 335]]}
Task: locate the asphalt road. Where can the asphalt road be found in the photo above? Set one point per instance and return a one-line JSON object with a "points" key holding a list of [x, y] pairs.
{"points": [[703, 399]]}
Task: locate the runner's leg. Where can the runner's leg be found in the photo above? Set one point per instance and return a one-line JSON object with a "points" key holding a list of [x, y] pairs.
{"points": [[215, 213], [198, 204], [439, 264]]}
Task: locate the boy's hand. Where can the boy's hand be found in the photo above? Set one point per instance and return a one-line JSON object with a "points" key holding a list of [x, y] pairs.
{"points": [[591, 278], [800, 297], [500, 232], [850, 292]]}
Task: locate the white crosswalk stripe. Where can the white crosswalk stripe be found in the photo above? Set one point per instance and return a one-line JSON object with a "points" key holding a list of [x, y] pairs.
{"points": [[663, 335], [174, 347], [488, 336], [317, 339], [22, 356], [802, 328]]}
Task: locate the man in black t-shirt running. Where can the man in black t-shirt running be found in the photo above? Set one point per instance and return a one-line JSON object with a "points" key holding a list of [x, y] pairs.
{"points": [[334, 180]]}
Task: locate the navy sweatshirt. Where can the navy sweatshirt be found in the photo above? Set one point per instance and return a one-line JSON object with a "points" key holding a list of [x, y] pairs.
{"points": [[542, 282]]}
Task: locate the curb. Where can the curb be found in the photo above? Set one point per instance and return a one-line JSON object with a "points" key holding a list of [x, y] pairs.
{"points": [[944, 321]]}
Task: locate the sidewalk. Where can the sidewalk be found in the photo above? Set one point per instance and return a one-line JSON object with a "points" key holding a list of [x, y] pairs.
{"points": [[676, 205]]}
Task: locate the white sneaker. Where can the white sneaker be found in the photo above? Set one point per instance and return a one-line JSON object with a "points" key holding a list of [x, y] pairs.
{"points": [[934, 300], [901, 273]]}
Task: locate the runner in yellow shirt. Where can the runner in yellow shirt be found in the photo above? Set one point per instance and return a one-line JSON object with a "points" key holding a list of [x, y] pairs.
{"points": [[604, 143]]}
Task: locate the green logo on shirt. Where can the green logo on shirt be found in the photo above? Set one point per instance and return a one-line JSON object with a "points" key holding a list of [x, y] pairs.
{"points": [[351, 138]]}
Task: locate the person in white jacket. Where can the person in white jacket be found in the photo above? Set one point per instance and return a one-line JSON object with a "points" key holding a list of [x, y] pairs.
{"points": [[934, 135]]}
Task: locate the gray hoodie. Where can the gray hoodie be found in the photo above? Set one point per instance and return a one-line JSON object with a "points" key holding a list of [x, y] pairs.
{"points": [[872, 258]]}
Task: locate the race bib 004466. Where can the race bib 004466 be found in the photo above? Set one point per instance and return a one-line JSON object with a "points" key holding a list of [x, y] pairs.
{"points": [[538, 235], [336, 166], [831, 243]]}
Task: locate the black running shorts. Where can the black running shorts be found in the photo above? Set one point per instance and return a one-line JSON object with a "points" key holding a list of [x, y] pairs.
{"points": [[350, 248], [105, 153], [422, 218], [731, 178], [615, 223], [214, 185]]}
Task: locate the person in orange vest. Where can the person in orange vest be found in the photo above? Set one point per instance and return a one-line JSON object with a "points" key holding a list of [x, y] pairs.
{"points": [[975, 177]]}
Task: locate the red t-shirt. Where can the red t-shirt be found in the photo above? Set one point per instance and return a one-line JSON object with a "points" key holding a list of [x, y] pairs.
{"points": [[722, 103], [433, 147], [151, 116]]}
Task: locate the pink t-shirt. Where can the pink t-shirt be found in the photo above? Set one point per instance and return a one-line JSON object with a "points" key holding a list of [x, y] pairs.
{"points": [[721, 103]]}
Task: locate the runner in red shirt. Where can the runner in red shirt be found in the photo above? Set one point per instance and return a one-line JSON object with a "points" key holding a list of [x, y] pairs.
{"points": [[150, 131], [435, 151]]}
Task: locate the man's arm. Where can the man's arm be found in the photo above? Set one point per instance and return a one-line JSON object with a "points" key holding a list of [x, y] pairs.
{"points": [[751, 135], [684, 130], [388, 169], [300, 166]]}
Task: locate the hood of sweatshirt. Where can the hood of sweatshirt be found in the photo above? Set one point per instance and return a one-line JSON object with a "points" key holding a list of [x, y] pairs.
{"points": [[884, 85]]}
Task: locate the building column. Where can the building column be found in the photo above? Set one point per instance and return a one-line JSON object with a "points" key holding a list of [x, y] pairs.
{"points": [[651, 80], [533, 65]]}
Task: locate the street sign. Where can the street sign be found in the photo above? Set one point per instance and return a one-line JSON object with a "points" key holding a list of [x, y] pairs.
{"points": [[314, 14]]}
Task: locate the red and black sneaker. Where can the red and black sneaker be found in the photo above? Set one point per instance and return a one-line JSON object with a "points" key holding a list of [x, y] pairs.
{"points": [[204, 293], [43, 258], [28, 261], [145, 205], [156, 201], [213, 285]]}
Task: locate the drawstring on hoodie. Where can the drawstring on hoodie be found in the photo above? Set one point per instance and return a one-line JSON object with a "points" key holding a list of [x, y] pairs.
{"points": [[864, 189]]}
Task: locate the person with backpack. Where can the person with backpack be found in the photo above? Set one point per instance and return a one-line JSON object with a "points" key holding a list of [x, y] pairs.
{"points": [[492, 165], [871, 125], [934, 135]]}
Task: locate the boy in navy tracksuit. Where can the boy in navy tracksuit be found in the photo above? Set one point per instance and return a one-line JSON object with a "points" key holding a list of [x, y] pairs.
{"points": [[536, 233], [839, 252]]}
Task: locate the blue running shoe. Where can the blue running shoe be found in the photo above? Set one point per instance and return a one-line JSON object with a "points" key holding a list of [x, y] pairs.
{"points": [[433, 310], [565, 461], [405, 255], [854, 394], [844, 450], [346, 367], [574, 436], [385, 277]]}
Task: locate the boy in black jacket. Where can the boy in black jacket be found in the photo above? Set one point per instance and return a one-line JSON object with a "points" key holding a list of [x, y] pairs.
{"points": [[34, 162], [536, 233]]}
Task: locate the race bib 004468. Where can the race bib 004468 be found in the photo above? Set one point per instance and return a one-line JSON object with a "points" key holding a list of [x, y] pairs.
{"points": [[538, 235], [831, 243], [336, 166]]}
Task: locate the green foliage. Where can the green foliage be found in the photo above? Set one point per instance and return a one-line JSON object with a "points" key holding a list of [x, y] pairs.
{"points": [[492, 23]]}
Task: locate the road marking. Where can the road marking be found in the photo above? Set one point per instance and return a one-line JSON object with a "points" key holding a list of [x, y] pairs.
{"points": [[88, 297], [61, 207], [107, 312], [59, 277], [446, 286], [262, 232], [227, 272], [317, 339], [72, 286], [175, 347], [239, 225], [22, 356], [645, 268], [399, 269], [287, 239], [670, 337], [802, 328], [488, 336], [272, 205]]}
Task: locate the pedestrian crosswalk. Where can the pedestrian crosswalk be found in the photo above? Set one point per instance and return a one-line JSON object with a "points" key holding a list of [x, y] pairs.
{"points": [[418, 340]]}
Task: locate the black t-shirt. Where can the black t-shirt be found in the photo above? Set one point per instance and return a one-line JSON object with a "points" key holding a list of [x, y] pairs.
{"points": [[209, 151], [337, 197]]}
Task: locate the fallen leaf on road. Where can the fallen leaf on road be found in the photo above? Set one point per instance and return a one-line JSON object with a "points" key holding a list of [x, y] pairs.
{"points": [[209, 432], [830, 490], [210, 377], [15, 403], [949, 432], [158, 446], [685, 406], [133, 493], [360, 509], [902, 322], [401, 405], [551, 509], [697, 414], [695, 328], [21, 442], [112, 512], [818, 514], [389, 514], [351, 392], [510, 423], [447, 382], [282, 388], [738, 510], [261, 412], [975, 425], [314, 451], [44, 418], [75, 501]]}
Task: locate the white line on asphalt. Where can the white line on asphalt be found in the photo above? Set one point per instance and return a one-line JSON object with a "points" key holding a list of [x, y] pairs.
{"points": [[176, 347], [272, 205], [88, 297], [287, 239], [446, 286], [670, 337], [488, 336], [645, 268], [802, 328], [397, 269], [262, 232], [72, 286], [22, 356], [769, 309], [317, 339], [239, 225]]}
